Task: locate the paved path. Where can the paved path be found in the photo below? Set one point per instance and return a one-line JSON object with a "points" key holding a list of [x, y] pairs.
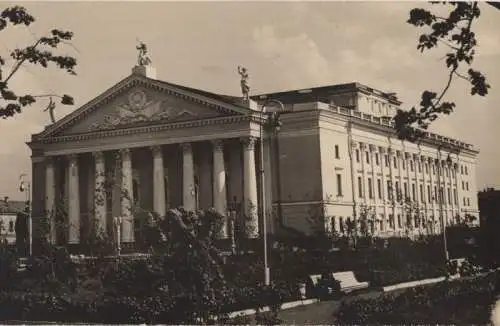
{"points": [[321, 312]]}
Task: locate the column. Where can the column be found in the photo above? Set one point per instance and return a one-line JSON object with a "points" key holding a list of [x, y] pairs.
{"points": [[219, 183], [158, 181], [50, 195], [74, 201], [127, 197], [100, 202], [188, 190], [250, 196]]}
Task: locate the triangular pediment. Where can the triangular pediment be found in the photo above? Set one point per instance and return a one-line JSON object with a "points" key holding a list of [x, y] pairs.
{"points": [[138, 101]]}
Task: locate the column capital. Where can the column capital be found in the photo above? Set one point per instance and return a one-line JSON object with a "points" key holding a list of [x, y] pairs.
{"points": [[249, 143], [157, 150], [125, 153], [382, 150], [186, 147], [218, 144], [362, 145], [73, 159], [98, 156]]}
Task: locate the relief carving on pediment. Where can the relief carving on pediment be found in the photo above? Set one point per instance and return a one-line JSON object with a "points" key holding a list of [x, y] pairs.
{"points": [[138, 108]]}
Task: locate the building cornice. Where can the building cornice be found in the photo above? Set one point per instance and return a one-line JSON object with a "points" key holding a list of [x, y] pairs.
{"points": [[385, 125], [145, 129]]}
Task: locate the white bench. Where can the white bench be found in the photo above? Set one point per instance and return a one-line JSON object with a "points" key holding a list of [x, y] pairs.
{"points": [[348, 282]]}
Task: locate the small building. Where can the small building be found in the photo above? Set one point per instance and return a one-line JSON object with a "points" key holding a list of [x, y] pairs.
{"points": [[166, 145], [8, 215]]}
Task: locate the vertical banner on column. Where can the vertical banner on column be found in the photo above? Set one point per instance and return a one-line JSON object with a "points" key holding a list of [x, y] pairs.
{"points": [[250, 196], [100, 200], [127, 199], [50, 195], [74, 201], [188, 189]]}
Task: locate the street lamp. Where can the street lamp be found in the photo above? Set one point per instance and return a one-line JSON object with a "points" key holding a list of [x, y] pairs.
{"points": [[271, 123], [25, 186]]}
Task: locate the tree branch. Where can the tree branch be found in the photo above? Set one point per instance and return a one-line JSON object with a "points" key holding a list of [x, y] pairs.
{"points": [[20, 62]]}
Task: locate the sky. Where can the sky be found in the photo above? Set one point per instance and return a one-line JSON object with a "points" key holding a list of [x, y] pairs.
{"points": [[284, 45]]}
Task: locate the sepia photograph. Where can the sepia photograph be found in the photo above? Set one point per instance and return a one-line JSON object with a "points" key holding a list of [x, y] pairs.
{"points": [[250, 162]]}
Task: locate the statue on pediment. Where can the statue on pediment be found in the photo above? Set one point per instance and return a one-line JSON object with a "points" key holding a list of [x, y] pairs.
{"points": [[143, 58], [51, 108], [245, 88]]}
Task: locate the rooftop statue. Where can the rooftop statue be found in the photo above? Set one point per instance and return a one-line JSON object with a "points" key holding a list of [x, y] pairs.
{"points": [[245, 88], [51, 108], [143, 58]]}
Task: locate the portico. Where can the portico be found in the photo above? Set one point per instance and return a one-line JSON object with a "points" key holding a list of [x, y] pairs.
{"points": [[145, 145]]}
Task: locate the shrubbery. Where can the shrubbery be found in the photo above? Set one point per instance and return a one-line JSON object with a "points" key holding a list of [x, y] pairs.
{"points": [[462, 301]]}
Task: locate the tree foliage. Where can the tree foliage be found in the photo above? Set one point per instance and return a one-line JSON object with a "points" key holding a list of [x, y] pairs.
{"points": [[40, 53], [455, 32]]}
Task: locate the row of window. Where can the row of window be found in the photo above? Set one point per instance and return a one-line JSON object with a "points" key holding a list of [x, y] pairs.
{"points": [[406, 193], [463, 168]]}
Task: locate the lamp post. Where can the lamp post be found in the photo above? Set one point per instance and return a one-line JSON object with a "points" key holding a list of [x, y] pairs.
{"points": [[25, 186], [272, 123]]}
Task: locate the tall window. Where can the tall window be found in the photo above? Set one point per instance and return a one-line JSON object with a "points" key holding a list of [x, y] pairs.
{"points": [[422, 198], [11, 226], [404, 164], [386, 159], [398, 191], [433, 169], [376, 159], [370, 188], [339, 185], [426, 168], [413, 191], [367, 157], [435, 194], [411, 166], [461, 169], [379, 188], [405, 187], [360, 187], [341, 225], [449, 196], [357, 155], [389, 190], [399, 221], [463, 185], [395, 162], [419, 167], [467, 186], [466, 170], [455, 196], [337, 155], [429, 195]]}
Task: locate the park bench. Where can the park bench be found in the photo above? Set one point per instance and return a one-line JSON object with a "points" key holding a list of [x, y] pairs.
{"points": [[348, 282]]}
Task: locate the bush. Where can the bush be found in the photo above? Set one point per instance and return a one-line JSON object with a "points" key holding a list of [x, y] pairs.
{"points": [[464, 301]]}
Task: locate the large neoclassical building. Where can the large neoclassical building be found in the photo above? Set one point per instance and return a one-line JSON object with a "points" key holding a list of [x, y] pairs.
{"points": [[167, 146]]}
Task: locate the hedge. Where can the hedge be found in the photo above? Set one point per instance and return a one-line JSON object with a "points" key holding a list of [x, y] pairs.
{"points": [[462, 301]]}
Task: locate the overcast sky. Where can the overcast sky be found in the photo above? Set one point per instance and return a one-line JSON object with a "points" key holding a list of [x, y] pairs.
{"points": [[285, 45]]}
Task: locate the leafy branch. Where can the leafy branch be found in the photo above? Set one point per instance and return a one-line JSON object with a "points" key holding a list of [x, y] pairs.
{"points": [[455, 31], [39, 53]]}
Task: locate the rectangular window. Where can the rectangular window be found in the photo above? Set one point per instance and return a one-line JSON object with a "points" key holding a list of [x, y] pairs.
{"points": [[405, 187], [429, 195], [379, 188], [426, 168], [391, 221], [435, 194], [464, 201], [466, 170], [468, 201], [433, 169], [467, 186], [404, 164], [339, 185], [411, 166], [370, 188], [341, 225], [360, 187], [441, 195], [399, 221], [337, 155], [413, 191], [422, 198], [449, 196], [461, 169], [389, 190], [376, 159], [398, 191], [367, 157], [386, 158], [395, 163], [357, 155], [455, 195], [463, 185], [332, 222], [419, 167]]}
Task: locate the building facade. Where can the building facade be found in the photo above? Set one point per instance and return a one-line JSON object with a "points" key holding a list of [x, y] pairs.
{"points": [[148, 145]]}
